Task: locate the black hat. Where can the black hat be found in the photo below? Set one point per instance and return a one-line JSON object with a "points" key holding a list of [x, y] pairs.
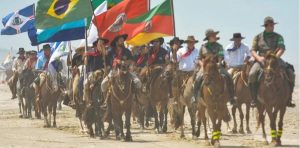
{"points": [[268, 20], [161, 40], [46, 47], [103, 39], [237, 36], [33, 52], [21, 50], [210, 32], [113, 42], [175, 39]]}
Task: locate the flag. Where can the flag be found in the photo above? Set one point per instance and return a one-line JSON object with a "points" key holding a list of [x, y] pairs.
{"points": [[158, 22], [93, 32], [111, 22], [51, 13], [19, 21], [66, 32]]}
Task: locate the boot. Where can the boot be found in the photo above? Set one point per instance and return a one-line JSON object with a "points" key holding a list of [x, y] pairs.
{"points": [[197, 87], [253, 92], [231, 92], [290, 103]]}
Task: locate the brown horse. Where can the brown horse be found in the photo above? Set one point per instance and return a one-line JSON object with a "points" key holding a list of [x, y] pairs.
{"points": [[242, 93], [93, 99], [215, 95], [158, 86], [48, 97], [182, 93], [121, 98], [273, 95]]}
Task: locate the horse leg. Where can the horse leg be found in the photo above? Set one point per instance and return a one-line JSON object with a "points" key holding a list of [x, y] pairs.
{"points": [[142, 118], [182, 124], [49, 114], [156, 121], [247, 118], [127, 124], [280, 126], [165, 126], [233, 109], [117, 125], [215, 133], [205, 126], [241, 131], [29, 108], [272, 116], [45, 113], [193, 122], [54, 115]]}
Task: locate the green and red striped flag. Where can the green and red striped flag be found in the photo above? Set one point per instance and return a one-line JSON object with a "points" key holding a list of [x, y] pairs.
{"points": [[158, 22]]}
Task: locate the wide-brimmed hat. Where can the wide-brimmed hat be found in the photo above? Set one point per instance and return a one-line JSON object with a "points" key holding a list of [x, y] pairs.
{"points": [[268, 20], [161, 40], [103, 39], [210, 32], [175, 39], [124, 36], [46, 47], [32, 52], [237, 36], [191, 38], [21, 50]]}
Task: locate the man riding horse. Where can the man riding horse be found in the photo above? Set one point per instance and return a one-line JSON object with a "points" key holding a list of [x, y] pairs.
{"points": [[264, 42], [214, 48]]}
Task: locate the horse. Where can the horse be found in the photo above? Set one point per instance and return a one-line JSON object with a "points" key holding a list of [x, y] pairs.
{"points": [[27, 77], [120, 100], [158, 96], [182, 93], [215, 95], [242, 93], [273, 95], [93, 99]]}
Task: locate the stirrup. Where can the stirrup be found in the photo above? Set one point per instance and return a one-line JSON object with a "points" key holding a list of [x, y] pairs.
{"points": [[253, 104], [290, 104]]}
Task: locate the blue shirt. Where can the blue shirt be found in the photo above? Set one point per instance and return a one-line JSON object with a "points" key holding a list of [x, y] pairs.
{"points": [[41, 62]]}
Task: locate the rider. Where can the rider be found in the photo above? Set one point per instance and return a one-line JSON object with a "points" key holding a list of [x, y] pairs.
{"points": [[175, 45], [157, 54], [268, 40], [236, 53], [31, 61], [117, 55], [186, 56], [213, 47], [17, 68], [43, 61]]}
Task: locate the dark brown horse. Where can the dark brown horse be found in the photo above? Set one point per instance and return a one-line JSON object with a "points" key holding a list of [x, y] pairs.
{"points": [[158, 88], [273, 95], [242, 93], [215, 95], [121, 98]]}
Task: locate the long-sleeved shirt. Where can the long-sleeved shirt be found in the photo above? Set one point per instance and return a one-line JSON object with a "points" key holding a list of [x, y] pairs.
{"points": [[187, 62], [18, 64], [235, 56], [41, 63]]}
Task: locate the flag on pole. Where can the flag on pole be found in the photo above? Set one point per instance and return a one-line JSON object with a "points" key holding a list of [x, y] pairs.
{"points": [[66, 32], [112, 21], [19, 21], [51, 13], [93, 32], [158, 22]]}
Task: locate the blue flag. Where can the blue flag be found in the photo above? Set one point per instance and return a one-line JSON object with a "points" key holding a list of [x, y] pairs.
{"points": [[19, 21], [66, 32]]}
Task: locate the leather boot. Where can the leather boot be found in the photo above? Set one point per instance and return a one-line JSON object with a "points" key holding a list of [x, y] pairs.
{"points": [[253, 92], [197, 87]]}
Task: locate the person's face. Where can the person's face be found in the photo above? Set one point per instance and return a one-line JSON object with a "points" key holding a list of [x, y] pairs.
{"points": [[269, 27], [32, 56], [176, 45], [47, 52], [120, 42], [191, 44], [156, 43], [237, 41], [212, 38], [22, 54]]}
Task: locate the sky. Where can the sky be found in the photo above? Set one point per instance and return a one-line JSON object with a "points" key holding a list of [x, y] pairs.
{"points": [[193, 17]]}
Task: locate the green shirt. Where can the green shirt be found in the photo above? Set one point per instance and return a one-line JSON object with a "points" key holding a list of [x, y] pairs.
{"points": [[211, 48], [267, 41]]}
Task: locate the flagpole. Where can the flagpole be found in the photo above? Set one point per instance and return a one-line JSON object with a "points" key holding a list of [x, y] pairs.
{"points": [[173, 15], [86, 46], [103, 54]]}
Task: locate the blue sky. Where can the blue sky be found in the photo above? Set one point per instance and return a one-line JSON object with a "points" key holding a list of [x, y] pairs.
{"points": [[193, 17]]}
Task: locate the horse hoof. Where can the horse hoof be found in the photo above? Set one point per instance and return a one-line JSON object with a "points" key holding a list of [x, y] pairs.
{"points": [[165, 129], [234, 131], [20, 116], [198, 133], [194, 137], [249, 131], [128, 139], [46, 126], [278, 142], [54, 125], [182, 136], [217, 145], [241, 131], [118, 138]]}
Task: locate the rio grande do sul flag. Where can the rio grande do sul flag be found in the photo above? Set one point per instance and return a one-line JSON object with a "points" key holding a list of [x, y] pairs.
{"points": [[51, 13], [111, 22], [158, 22]]}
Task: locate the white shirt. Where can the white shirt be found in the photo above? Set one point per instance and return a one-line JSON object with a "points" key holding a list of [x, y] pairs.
{"points": [[187, 63], [237, 57], [18, 65]]}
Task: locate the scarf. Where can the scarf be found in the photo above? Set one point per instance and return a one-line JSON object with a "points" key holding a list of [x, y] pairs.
{"points": [[153, 57], [186, 54]]}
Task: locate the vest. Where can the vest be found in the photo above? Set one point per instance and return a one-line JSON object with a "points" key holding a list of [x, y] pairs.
{"points": [[216, 49], [266, 44]]}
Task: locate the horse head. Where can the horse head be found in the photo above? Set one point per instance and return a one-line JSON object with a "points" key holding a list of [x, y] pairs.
{"points": [[271, 67], [210, 68]]}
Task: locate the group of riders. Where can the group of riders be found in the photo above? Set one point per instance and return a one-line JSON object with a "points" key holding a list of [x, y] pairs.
{"points": [[112, 57]]}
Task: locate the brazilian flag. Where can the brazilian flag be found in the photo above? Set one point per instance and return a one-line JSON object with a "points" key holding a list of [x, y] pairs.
{"points": [[51, 13]]}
